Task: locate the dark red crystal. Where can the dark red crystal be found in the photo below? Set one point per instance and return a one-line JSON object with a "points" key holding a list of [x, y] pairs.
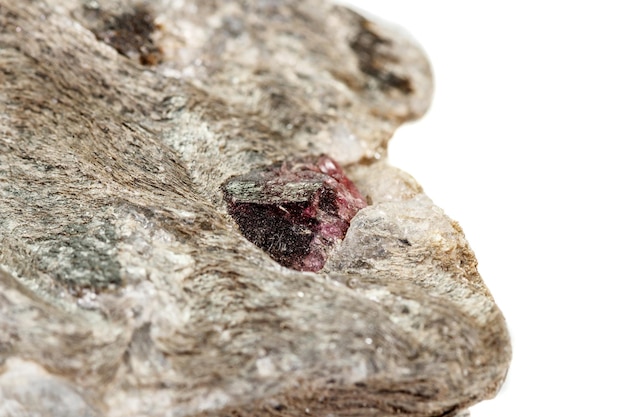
{"points": [[296, 211]]}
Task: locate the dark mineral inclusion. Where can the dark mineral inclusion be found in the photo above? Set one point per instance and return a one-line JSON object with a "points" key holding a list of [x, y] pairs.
{"points": [[296, 211]]}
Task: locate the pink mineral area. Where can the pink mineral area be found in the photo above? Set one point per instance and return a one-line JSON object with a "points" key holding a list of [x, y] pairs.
{"points": [[297, 211]]}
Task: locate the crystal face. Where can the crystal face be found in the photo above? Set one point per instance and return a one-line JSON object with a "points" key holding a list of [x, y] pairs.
{"points": [[297, 211]]}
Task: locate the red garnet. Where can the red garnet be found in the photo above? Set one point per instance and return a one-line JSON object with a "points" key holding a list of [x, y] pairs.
{"points": [[296, 211]]}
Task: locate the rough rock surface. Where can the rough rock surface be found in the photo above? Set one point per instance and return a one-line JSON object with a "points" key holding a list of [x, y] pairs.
{"points": [[125, 286]]}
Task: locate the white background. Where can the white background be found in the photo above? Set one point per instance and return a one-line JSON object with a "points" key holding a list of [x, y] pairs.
{"points": [[524, 146]]}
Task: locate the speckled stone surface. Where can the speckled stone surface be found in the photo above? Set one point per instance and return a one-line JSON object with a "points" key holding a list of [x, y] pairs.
{"points": [[126, 288]]}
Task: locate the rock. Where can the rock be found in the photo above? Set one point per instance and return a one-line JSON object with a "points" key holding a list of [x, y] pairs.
{"points": [[127, 284]]}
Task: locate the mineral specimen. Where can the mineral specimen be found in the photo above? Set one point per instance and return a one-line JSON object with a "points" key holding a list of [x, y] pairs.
{"points": [[133, 136], [297, 211]]}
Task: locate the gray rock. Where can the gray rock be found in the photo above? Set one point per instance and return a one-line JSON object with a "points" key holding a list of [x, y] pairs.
{"points": [[126, 288]]}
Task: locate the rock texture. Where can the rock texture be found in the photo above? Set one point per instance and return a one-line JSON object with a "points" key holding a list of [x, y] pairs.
{"points": [[126, 288]]}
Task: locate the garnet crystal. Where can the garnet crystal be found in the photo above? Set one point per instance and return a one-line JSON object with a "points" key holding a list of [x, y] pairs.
{"points": [[296, 211]]}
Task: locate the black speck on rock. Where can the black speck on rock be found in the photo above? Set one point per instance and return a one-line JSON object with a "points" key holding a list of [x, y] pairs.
{"points": [[130, 34], [373, 54]]}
